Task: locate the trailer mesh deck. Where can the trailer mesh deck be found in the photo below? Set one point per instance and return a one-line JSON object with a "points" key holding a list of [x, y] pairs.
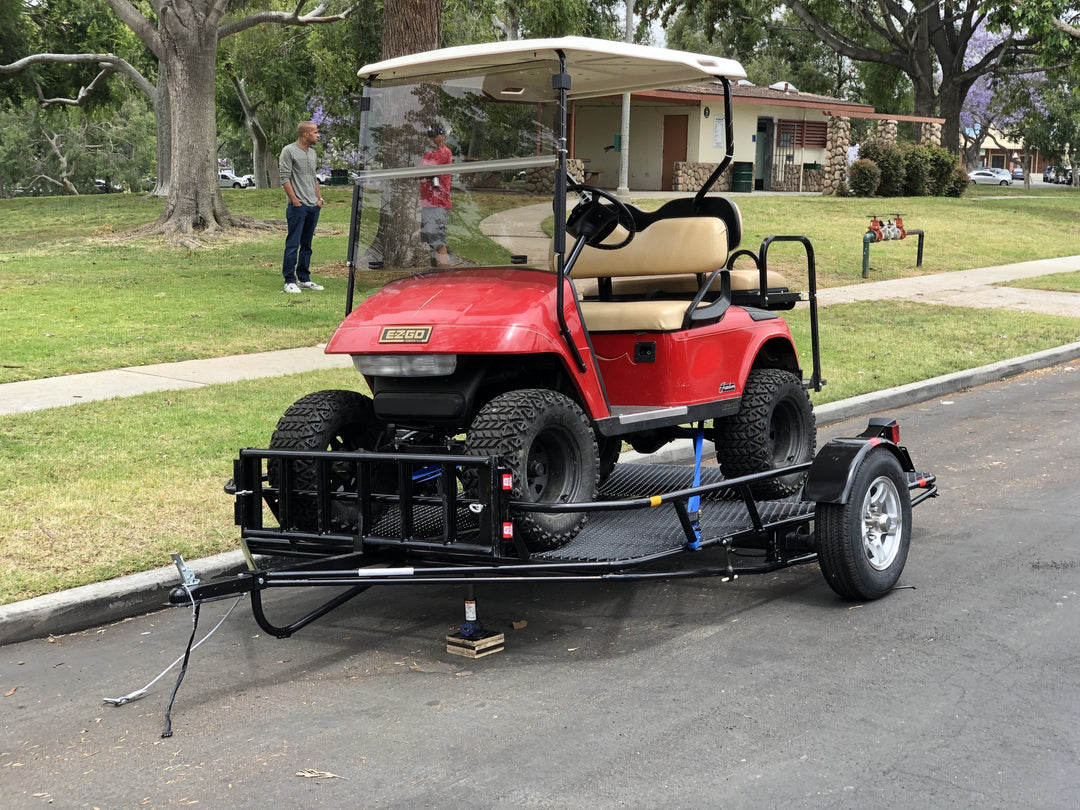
{"points": [[627, 534]]}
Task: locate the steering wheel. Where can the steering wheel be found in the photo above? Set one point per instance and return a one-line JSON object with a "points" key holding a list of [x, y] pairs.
{"points": [[594, 221]]}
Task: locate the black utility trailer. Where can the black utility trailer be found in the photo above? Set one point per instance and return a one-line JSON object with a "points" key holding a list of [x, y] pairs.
{"points": [[436, 517]]}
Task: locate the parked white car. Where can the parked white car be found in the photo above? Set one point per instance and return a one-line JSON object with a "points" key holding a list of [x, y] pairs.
{"points": [[993, 177], [226, 179]]}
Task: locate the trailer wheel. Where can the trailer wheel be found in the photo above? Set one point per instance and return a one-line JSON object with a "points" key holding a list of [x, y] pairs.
{"points": [[863, 544], [326, 420], [546, 441], [773, 429]]}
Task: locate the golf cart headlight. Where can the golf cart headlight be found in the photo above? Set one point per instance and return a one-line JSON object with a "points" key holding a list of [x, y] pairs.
{"points": [[405, 365]]}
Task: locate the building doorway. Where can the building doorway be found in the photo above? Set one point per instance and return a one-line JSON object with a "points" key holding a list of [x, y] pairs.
{"points": [[676, 128], [763, 154]]}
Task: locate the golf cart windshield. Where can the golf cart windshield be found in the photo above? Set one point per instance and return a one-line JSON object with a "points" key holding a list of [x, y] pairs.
{"points": [[452, 137]]}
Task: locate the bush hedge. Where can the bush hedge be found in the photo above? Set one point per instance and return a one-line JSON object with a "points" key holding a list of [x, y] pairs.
{"points": [[914, 170], [890, 160], [865, 176]]}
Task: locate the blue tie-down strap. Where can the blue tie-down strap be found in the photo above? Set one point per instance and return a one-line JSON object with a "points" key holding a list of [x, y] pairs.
{"points": [[426, 473], [693, 505]]}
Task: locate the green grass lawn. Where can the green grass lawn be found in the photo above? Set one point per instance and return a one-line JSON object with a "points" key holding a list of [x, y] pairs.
{"points": [[103, 489], [1055, 282]]}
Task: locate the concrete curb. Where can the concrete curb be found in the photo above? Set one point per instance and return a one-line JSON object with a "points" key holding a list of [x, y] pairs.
{"points": [[105, 602]]}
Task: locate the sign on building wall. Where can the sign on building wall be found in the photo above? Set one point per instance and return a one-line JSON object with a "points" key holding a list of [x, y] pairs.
{"points": [[719, 133]]}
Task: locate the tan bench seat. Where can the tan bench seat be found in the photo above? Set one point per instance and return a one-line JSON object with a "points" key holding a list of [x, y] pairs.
{"points": [[665, 261], [634, 316]]}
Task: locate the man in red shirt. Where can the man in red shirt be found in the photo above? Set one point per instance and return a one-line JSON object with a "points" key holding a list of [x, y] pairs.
{"points": [[435, 197]]}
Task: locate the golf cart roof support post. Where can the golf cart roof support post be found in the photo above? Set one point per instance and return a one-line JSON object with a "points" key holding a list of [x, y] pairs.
{"points": [[358, 195], [560, 83], [354, 239], [729, 145]]}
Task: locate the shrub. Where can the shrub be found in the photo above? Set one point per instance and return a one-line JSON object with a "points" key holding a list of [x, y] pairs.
{"points": [[890, 160], [940, 174], [841, 189], [958, 181], [916, 170], [865, 176]]}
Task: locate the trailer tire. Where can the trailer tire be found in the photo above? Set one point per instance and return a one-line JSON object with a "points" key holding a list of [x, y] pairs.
{"points": [[863, 544], [773, 429], [326, 420], [546, 441]]}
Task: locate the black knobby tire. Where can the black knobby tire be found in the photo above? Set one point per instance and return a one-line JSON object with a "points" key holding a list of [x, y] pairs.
{"points": [[773, 429], [326, 420], [863, 544], [546, 441], [608, 450]]}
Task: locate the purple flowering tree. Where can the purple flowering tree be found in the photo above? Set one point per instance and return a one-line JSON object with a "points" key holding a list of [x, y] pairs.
{"points": [[996, 102]]}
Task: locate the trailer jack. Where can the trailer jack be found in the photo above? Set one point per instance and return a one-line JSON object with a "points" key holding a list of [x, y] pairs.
{"points": [[472, 640]]}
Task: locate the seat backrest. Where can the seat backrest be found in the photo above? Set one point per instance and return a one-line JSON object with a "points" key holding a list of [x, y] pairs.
{"points": [[679, 238]]}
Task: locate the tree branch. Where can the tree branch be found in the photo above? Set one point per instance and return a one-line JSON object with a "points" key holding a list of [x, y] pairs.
{"points": [[108, 62], [1063, 26], [843, 45], [294, 17], [84, 92], [134, 19]]}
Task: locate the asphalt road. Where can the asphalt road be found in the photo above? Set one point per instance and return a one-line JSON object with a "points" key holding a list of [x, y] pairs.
{"points": [[960, 689]]}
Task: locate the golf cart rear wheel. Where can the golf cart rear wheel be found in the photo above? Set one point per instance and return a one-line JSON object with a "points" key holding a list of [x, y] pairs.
{"points": [[863, 544], [326, 420], [547, 443], [773, 429]]}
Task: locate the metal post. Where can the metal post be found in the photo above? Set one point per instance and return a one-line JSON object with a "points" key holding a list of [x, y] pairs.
{"points": [[868, 237], [624, 139]]}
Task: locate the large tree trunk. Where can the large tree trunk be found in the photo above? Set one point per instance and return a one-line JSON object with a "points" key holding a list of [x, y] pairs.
{"points": [[409, 26], [194, 203], [950, 103]]}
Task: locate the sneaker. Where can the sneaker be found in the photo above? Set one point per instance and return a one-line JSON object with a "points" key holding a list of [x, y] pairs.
{"points": [[310, 285], [292, 288]]}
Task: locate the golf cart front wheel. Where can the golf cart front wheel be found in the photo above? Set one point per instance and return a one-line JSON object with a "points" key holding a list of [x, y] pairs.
{"points": [[863, 544], [546, 441], [327, 420]]}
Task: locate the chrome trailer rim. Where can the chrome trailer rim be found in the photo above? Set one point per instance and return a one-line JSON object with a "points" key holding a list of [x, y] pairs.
{"points": [[882, 523]]}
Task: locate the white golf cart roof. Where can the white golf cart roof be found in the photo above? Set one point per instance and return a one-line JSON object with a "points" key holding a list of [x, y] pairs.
{"points": [[520, 70]]}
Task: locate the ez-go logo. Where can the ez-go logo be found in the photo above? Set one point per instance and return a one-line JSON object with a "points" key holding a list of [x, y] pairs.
{"points": [[405, 334]]}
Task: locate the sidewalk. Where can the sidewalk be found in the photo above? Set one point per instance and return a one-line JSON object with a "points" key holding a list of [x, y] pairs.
{"points": [[52, 392]]}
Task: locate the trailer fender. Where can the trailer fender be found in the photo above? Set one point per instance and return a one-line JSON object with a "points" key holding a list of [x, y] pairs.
{"points": [[832, 472]]}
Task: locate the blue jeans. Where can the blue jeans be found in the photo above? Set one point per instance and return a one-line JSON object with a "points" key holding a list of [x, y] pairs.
{"points": [[301, 220]]}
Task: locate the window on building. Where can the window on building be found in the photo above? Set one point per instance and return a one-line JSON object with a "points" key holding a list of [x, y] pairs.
{"points": [[807, 134]]}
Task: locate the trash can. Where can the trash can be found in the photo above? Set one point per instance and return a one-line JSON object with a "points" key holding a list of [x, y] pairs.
{"points": [[339, 177], [742, 176]]}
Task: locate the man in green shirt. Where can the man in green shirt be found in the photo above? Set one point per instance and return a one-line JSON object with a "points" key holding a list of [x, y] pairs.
{"points": [[297, 167]]}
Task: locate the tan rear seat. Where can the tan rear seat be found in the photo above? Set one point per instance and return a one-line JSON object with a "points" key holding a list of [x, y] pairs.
{"points": [[684, 246]]}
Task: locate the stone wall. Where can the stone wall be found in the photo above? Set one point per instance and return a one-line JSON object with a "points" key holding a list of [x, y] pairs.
{"points": [[542, 181], [812, 180], [692, 176]]}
